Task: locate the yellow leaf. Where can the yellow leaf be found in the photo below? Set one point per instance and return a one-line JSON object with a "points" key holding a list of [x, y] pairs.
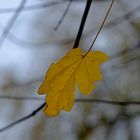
{"points": [[99, 56], [63, 67], [60, 99], [88, 72], [59, 83], [43, 88]]}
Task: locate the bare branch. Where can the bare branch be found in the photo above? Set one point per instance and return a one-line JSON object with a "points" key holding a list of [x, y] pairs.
{"points": [[82, 24], [32, 7], [117, 21], [11, 22], [64, 15], [6, 97], [23, 118], [78, 100], [120, 103]]}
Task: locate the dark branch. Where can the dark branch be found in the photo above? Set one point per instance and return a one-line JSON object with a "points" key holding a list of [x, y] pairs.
{"points": [[120, 103], [76, 44], [23, 118]]}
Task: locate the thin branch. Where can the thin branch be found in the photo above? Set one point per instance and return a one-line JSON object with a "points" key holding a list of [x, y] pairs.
{"points": [[117, 21], [35, 6], [63, 16], [11, 22], [87, 8], [78, 100], [118, 103], [23, 118], [6, 97], [32, 7]]}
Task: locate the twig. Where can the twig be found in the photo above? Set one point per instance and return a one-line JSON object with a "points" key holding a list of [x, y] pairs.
{"points": [[120, 103], [11, 22], [63, 16], [76, 44], [6, 97], [23, 118], [79, 100], [32, 7]]}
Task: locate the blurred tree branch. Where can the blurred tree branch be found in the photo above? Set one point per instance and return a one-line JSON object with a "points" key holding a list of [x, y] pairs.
{"points": [[7, 29], [23, 118], [117, 21], [63, 16], [79, 100], [32, 7], [120, 103]]}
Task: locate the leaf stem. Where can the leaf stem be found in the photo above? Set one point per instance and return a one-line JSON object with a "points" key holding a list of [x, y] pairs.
{"points": [[101, 27]]}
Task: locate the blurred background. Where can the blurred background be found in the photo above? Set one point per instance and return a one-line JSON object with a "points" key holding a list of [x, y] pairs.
{"points": [[35, 33]]}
